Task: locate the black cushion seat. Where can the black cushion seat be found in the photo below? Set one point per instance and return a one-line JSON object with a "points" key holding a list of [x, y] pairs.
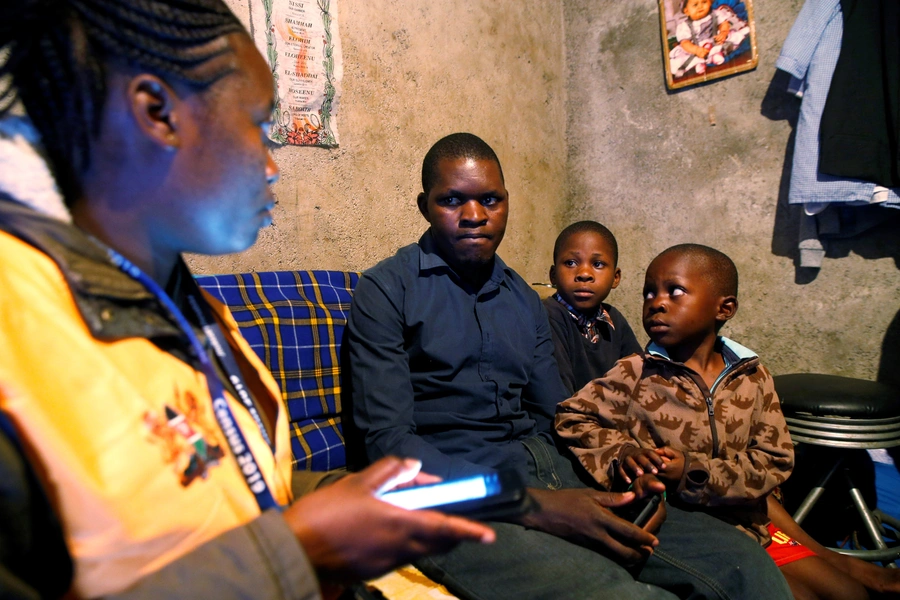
{"points": [[854, 415], [843, 412]]}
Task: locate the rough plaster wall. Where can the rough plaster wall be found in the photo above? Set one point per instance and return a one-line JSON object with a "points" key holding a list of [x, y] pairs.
{"points": [[414, 72], [648, 164]]}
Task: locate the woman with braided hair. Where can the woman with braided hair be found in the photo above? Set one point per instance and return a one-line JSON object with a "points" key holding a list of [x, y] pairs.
{"points": [[159, 437]]}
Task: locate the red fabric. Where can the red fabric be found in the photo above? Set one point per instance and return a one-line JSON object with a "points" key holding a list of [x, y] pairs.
{"points": [[784, 549]]}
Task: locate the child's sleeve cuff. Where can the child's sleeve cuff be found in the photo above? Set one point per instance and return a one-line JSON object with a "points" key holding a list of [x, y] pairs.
{"points": [[692, 487]]}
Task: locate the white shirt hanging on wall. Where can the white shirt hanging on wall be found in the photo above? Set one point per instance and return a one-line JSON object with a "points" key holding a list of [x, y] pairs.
{"points": [[300, 41]]}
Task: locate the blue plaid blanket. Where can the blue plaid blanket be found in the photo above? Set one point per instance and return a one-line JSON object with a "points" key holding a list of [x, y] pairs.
{"points": [[294, 321]]}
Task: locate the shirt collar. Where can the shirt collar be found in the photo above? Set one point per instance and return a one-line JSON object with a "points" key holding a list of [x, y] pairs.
{"points": [[430, 259], [601, 316], [112, 304], [703, 21], [732, 352]]}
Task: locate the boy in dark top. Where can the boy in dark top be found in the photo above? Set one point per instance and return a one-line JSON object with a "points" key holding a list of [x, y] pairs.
{"points": [[589, 336]]}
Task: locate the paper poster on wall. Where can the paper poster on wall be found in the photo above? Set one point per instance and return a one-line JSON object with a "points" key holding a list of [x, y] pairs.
{"points": [[300, 41], [706, 39]]}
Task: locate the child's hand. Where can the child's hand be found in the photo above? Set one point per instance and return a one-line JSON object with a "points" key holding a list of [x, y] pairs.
{"points": [[694, 49], [634, 462], [722, 35], [646, 485], [673, 463]]}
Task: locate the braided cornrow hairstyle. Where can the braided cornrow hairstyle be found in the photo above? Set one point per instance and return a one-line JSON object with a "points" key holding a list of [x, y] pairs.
{"points": [[53, 55]]}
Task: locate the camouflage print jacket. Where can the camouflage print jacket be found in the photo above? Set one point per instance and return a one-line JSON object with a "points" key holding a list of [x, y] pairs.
{"points": [[732, 461]]}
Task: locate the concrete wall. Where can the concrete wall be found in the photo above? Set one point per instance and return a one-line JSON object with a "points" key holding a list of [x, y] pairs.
{"points": [[414, 72], [572, 96], [649, 164]]}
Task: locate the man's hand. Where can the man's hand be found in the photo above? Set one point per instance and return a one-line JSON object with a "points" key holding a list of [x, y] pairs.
{"points": [[673, 461], [583, 516], [350, 535], [634, 462]]}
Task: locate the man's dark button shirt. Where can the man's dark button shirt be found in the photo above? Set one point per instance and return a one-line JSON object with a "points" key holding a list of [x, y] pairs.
{"points": [[446, 374]]}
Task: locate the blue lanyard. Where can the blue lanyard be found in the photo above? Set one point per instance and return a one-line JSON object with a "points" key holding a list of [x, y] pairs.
{"points": [[233, 435], [229, 364]]}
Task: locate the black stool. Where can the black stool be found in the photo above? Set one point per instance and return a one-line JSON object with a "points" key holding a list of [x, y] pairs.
{"points": [[853, 414]]}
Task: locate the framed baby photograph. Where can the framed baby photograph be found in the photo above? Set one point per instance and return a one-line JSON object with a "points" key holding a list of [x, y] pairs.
{"points": [[704, 40]]}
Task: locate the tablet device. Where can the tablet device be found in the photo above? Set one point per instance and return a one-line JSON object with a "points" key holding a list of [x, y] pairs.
{"points": [[490, 496]]}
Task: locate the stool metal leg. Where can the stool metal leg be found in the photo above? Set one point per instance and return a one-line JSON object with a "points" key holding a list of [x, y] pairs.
{"points": [[894, 525], [888, 555], [815, 494], [883, 553], [887, 519], [872, 526]]}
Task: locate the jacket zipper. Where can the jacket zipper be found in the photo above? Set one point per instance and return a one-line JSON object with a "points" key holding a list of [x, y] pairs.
{"points": [[710, 409], [708, 396], [711, 413]]}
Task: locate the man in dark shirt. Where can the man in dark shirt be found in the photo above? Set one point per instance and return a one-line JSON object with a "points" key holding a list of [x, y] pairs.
{"points": [[451, 361]]}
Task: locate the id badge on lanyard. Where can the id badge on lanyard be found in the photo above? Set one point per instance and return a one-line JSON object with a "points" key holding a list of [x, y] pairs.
{"points": [[227, 423]]}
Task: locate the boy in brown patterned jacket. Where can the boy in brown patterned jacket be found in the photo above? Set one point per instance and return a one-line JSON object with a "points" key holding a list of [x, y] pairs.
{"points": [[698, 412]]}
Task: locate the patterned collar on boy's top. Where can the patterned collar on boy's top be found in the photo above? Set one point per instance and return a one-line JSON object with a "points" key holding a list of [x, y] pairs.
{"points": [[589, 326]]}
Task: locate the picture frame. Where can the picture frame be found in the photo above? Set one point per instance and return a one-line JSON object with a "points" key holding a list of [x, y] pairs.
{"points": [[704, 40]]}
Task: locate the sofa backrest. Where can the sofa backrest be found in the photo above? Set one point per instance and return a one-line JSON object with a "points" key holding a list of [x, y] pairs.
{"points": [[294, 321]]}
